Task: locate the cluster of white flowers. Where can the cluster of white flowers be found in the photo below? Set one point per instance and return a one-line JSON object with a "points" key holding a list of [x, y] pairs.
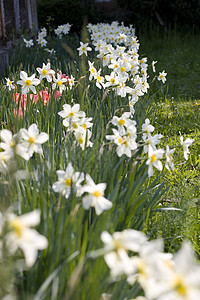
{"points": [[154, 154], [62, 29], [125, 136], [162, 276], [18, 234], [118, 49], [41, 37], [69, 181], [76, 122], [24, 143], [29, 83]]}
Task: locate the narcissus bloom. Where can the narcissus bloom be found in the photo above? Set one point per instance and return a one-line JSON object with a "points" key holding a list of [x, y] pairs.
{"points": [[117, 246], [73, 113], [9, 84], [154, 160], [83, 48], [46, 72], [162, 76], [185, 144], [28, 83], [95, 197], [68, 180], [29, 43], [11, 144], [59, 83], [32, 139], [21, 236]]}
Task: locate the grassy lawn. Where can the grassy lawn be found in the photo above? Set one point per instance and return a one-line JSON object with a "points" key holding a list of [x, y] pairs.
{"points": [[176, 111]]}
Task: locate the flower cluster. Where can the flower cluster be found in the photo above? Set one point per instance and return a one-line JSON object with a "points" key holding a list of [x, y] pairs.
{"points": [[118, 50], [24, 143], [59, 83], [69, 181], [162, 276], [77, 123], [62, 29], [41, 37], [125, 136]]}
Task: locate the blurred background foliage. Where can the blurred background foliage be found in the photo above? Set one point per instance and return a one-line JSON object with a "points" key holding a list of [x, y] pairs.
{"points": [[165, 13]]}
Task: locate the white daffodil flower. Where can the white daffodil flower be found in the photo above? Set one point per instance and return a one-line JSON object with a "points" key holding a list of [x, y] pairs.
{"points": [[28, 83], [181, 281], [46, 72], [154, 160], [22, 236], [185, 144], [29, 43], [92, 70], [9, 84], [59, 83], [162, 76], [126, 143], [123, 122], [83, 137], [71, 113], [32, 139], [11, 144], [68, 180], [169, 158], [116, 248], [112, 80], [83, 48], [147, 128], [95, 197], [151, 141]]}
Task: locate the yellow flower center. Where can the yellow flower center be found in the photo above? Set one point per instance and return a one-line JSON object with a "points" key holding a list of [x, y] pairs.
{"points": [[120, 141], [180, 286], [153, 158], [92, 70], [17, 225], [126, 143], [71, 114], [98, 78], [121, 122], [112, 80], [84, 126], [161, 76], [116, 66], [68, 181], [96, 193], [59, 82], [10, 82], [81, 140], [28, 82], [74, 125], [83, 48], [104, 58], [44, 72], [31, 140]]}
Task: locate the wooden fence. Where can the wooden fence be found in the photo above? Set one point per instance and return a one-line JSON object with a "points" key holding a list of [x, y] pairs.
{"points": [[15, 16]]}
